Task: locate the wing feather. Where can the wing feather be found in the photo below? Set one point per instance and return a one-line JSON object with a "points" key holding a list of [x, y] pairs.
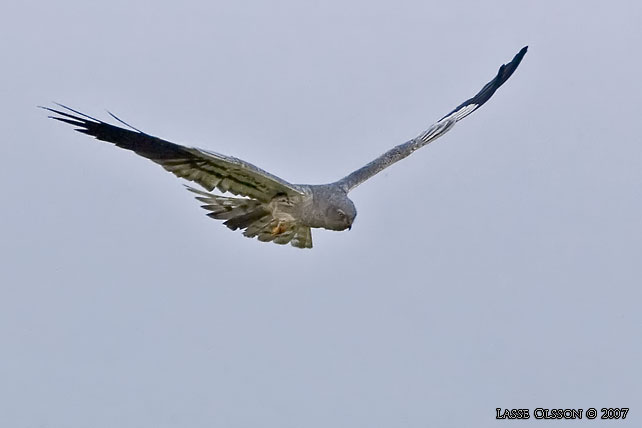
{"points": [[209, 169], [438, 129]]}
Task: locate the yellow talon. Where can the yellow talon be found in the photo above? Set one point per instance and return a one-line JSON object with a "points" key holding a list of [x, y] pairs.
{"points": [[278, 229]]}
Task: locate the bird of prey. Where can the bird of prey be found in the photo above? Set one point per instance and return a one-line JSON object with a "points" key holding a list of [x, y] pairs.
{"points": [[270, 208]]}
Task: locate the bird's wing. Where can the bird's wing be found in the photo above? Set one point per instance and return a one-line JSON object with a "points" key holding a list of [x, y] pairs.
{"points": [[438, 129], [210, 170]]}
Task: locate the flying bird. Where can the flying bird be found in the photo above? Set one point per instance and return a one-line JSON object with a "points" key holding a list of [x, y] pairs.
{"points": [[270, 208]]}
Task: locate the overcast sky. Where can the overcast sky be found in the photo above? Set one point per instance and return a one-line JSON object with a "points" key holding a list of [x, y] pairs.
{"points": [[500, 266]]}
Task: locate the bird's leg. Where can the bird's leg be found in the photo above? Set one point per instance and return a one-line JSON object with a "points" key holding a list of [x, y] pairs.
{"points": [[279, 228]]}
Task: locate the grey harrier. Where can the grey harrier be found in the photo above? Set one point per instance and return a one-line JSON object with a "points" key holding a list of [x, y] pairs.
{"points": [[271, 209]]}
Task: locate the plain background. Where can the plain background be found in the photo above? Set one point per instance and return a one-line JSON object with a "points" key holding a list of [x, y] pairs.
{"points": [[497, 267]]}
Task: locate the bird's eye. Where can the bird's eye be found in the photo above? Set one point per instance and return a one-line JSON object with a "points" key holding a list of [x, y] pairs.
{"points": [[341, 214]]}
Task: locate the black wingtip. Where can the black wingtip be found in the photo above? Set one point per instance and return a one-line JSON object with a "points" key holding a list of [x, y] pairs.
{"points": [[123, 122], [519, 56], [80, 116], [505, 71]]}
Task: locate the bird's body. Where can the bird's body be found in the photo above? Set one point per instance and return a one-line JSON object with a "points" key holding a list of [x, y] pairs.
{"points": [[270, 209]]}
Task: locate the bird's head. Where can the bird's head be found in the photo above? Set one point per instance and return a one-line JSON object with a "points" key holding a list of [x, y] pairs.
{"points": [[340, 214]]}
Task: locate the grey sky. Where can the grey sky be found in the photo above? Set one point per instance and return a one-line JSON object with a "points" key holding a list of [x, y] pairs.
{"points": [[508, 275]]}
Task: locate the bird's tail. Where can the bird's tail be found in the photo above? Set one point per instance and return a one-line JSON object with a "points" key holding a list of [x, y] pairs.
{"points": [[239, 213], [253, 218]]}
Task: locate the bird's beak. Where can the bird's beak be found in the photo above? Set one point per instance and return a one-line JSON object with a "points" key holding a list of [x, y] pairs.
{"points": [[350, 227]]}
